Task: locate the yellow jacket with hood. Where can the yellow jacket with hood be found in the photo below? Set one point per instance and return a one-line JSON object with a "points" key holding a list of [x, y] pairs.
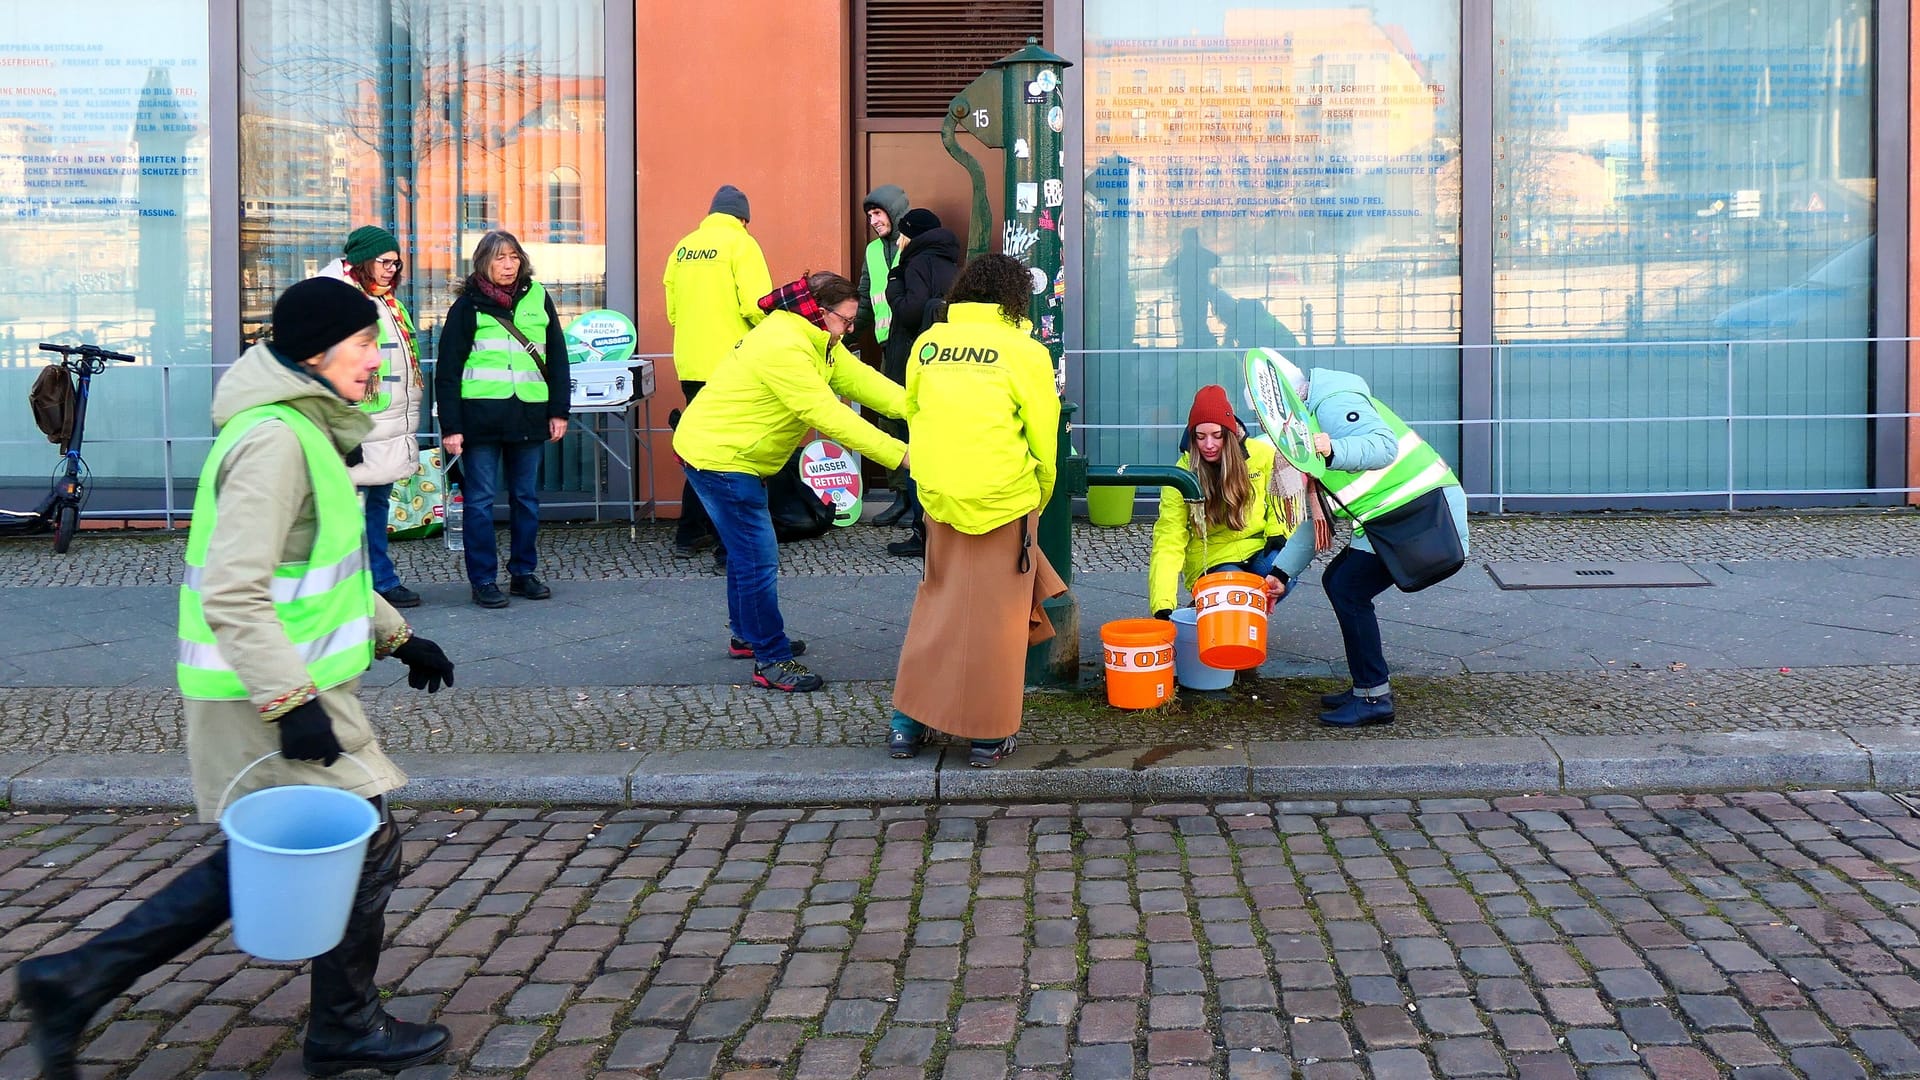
{"points": [[983, 419], [265, 517], [715, 279], [1180, 557], [780, 381]]}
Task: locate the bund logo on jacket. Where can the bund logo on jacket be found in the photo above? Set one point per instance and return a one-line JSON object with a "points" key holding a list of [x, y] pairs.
{"points": [[932, 353], [687, 254]]}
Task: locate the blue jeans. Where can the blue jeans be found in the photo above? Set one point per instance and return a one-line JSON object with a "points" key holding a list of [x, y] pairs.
{"points": [[481, 465], [385, 577], [737, 503], [1352, 580]]}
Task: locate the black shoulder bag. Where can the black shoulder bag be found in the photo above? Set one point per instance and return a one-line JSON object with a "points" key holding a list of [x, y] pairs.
{"points": [[1416, 540]]}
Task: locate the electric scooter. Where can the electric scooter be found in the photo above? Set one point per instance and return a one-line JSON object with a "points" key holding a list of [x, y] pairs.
{"points": [[60, 510]]}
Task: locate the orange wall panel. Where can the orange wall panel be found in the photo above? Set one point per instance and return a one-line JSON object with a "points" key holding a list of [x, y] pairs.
{"points": [[747, 93]]}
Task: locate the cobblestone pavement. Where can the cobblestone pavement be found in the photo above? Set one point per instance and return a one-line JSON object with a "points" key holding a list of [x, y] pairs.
{"points": [[589, 553], [1761, 936], [600, 718]]}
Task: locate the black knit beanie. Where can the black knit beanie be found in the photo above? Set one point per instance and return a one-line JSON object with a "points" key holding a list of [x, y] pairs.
{"points": [[314, 315], [917, 221], [730, 200]]}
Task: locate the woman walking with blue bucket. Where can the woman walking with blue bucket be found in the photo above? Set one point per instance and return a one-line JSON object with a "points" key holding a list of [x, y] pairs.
{"points": [[278, 619]]}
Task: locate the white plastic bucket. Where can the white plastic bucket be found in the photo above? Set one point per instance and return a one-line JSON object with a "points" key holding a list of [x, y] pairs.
{"points": [[293, 863], [1188, 669]]}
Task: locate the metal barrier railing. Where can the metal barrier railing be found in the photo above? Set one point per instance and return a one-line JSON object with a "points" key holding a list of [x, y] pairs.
{"points": [[1506, 360], [1512, 361], [174, 436]]}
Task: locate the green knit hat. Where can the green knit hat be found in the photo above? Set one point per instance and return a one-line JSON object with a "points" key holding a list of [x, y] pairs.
{"points": [[367, 243]]}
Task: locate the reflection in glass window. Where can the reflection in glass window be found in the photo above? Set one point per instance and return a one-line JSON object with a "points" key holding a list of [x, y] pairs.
{"points": [[1177, 79], [437, 121], [1684, 171], [104, 230], [1271, 218], [563, 204]]}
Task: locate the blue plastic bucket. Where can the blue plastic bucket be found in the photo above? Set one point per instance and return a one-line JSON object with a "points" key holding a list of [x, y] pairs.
{"points": [[293, 862], [1188, 669]]}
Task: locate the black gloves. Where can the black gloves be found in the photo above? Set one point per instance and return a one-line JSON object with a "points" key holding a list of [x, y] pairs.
{"points": [[306, 734], [427, 666], [1163, 613]]}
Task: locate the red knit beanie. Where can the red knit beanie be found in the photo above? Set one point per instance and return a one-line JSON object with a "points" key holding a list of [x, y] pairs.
{"points": [[1210, 406]]}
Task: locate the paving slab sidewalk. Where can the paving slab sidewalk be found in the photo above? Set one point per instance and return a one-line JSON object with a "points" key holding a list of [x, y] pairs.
{"points": [[1799, 664]]}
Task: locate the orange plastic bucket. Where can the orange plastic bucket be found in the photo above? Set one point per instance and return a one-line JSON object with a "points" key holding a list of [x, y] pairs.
{"points": [[1139, 655], [1233, 619]]}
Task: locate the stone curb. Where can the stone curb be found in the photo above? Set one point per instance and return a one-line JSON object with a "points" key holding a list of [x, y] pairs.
{"points": [[1875, 757]]}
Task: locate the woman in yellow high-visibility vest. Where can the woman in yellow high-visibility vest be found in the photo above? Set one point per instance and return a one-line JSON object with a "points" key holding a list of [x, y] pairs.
{"points": [[502, 390], [278, 618]]}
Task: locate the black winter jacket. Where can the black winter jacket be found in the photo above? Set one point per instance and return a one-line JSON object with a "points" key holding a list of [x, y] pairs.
{"points": [[509, 419], [927, 267]]}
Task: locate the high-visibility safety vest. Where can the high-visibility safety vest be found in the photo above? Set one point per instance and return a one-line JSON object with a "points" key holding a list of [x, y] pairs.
{"points": [[324, 604], [1416, 470], [877, 288], [498, 367], [393, 358]]}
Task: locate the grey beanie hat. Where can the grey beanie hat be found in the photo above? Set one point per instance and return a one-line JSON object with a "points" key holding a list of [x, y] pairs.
{"points": [[730, 200]]}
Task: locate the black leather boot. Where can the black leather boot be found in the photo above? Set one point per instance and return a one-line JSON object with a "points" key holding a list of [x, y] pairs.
{"points": [[347, 1028], [63, 991]]}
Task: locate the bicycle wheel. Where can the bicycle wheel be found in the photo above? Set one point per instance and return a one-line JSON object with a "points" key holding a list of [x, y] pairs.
{"points": [[67, 519]]}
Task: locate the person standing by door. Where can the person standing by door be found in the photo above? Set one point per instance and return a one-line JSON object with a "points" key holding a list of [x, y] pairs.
{"points": [[715, 279], [885, 206], [503, 393], [391, 452], [278, 621], [929, 261]]}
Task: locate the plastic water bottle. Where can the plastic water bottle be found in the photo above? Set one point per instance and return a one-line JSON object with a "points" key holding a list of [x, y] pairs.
{"points": [[456, 520]]}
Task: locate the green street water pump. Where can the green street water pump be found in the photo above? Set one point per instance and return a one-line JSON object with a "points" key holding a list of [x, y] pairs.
{"points": [[1016, 106]]}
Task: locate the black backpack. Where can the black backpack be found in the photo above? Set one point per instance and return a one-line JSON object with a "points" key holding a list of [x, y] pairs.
{"points": [[799, 513]]}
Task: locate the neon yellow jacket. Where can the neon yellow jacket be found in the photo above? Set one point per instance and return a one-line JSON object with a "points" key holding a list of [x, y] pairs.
{"points": [[779, 382], [1181, 557], [715, 279], [983, 419]]}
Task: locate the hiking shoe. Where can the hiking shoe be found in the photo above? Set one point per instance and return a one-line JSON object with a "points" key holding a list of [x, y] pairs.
{"points": [[787, 676], [489, 596], [1361, 712], [902, 744], [1334, 701], [984, 754], [529, 586], [740, 650], [401, 596]]}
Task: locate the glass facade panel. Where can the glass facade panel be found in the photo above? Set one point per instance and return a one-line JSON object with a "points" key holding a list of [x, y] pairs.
{"points": [[1683, 170], [103, 226], [439, 119], [1315, 208]]}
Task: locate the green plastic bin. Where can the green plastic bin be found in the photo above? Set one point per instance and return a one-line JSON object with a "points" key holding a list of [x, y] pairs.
{"points": [[1110, 506]]}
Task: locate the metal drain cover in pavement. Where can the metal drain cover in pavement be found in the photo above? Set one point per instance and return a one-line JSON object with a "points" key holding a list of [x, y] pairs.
{"points": [[1593, 575]]}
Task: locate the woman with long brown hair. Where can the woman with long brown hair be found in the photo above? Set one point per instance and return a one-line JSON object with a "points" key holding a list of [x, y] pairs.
{"points": [[1244, 516]]}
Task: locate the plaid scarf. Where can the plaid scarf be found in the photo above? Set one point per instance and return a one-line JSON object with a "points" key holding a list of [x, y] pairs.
{"points": [[794, 296]]}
